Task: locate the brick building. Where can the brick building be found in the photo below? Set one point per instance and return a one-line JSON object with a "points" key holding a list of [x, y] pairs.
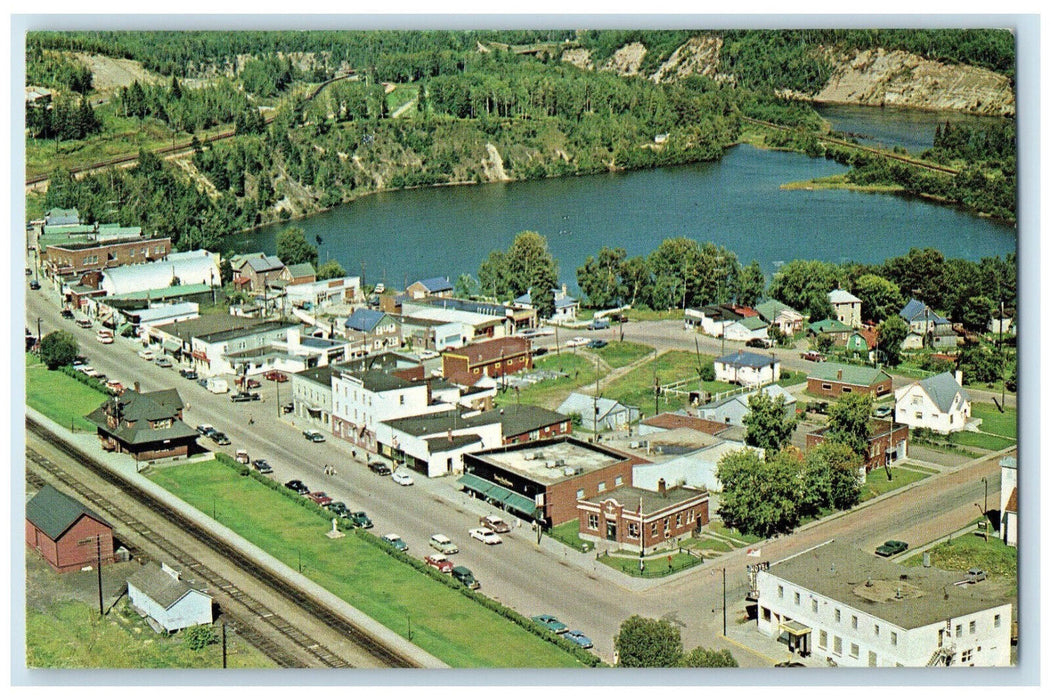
{"points": [[832, 380], [145, 425], [493, 358], [640, 520], [76, 257], [543, 480], [889, 442], [64, 531]]}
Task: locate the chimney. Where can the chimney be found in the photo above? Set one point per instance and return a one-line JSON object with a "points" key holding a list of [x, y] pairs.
{"points": [[662, 488], [959, 377], [839, 374], [564, 291]]}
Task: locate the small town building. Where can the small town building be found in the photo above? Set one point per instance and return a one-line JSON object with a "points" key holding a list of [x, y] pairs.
{"points": [[943, 336], [690, 463], [787, 319], [487, 321], [145, 425], [862, 343], [639, 520], [294, 353], [1009, 500], [255, 271], [664, 422], [1001, 323], [715, 319], [312, 396], [66, 255], [430, 287], [211, 343], [160, 594], [746, 329], [860, 610], [888, 443], [190, 267], [434, 444], [493, 358], [747, 368], [938, 403], [599, 414], [542, 481], [299, 273], [322, 294], [66, 533], [370, 331], [921, 318], [731, 410], [846, 307], [832, 380], [838, 331], [430, 334], [141, 320], [566, 307]]}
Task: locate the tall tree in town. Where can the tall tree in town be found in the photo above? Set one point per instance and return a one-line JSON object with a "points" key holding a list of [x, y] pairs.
{"points": [[831, 477], [804, 285], [760, 497], [647, 643], [751, 283], [58, 348], [700, 657], [768, 425], [293, 248], [880, 298], [531, 268], [849, 422], [890, 334], [602, 278]]}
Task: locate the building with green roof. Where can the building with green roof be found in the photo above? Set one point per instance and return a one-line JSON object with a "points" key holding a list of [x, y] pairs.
{"points": [[833, 380]]}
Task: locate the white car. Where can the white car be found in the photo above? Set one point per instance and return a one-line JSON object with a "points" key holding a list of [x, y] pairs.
{"points": [[147, 354], [429, 354], [485, 535], [402, 478], [105, 337], [577, 342]]}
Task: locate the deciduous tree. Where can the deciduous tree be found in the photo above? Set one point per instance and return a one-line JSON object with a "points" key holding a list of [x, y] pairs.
{"points": [[58, 348], [647, 643], [293, 248], [330, 269], [890, 333], [849, 422], [880, 298], [767, 425], [760, 497], [831, 477], [700, 657]]}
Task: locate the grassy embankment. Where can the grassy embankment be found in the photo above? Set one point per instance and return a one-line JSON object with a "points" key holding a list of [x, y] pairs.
{"points": [[60, 397], [443, 621]]}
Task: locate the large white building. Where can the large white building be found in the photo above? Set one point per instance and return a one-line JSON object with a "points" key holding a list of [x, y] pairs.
{"points": [[851, 608], [846, 307], [938, 403], [189, 267]]}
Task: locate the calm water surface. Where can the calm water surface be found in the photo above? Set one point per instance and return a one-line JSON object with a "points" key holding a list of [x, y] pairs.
{"points": [[912, 129], [402, 236]]}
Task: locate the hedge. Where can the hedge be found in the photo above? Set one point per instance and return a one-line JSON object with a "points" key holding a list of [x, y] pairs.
{"points": [[84, 379]]}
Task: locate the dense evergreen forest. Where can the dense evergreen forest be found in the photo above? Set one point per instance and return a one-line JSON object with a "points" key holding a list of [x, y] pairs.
{"points": [[423, 108]]}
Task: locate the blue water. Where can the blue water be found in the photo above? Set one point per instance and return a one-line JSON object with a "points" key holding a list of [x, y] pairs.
{"points": [[912, 129]]}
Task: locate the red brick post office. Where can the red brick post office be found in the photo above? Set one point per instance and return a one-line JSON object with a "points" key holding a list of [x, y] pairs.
{"points": [[64, 531], [634, 519]]}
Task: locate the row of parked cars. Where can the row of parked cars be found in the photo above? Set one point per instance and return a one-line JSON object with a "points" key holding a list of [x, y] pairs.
{"points": [[356, 518]]}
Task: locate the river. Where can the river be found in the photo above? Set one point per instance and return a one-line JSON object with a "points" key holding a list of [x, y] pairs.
{"points": [[737, 202]]}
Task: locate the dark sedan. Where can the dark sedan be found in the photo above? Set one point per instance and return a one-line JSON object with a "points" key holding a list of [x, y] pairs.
{"points": [[262, 466], [219, 438], [297, 486]]}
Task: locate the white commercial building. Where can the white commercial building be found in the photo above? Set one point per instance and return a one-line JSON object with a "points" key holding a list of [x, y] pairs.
{"points": [[849, 607], [190, 267], [320, 294]]}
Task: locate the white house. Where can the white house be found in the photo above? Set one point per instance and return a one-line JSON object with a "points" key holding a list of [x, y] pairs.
{"points": [[921, 318], [599, 413], [731, 410], [846, 307], [747, 368], [566, 307], [854, 609], [323, 293], [158, 592], [1009, 500], [787, 319], [190, 267], [938, 403], [745, 329]]}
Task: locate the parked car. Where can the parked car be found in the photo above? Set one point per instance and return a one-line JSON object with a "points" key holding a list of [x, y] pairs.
{"points": [[891, 547], [578, 342], [243, 396], [598, 324], [760, 343], [219, 438], [882, 411], [598, 344], [439, 562], [205, 429], [84, 322], [147, 354], [551, 622], [276, 376], [789, 664], [464, 576], [114, 387], [162, 361], [358, 518], [813, 356], [297, 486], [396, 541], [443, 544], [320, 497], [34, 285], [381, 468], [203, 382], [216, 385], [428, 354], [313, 436], [484, 535], [242, 456], [249, 383], [288, 407], [402, 479], [188, 374], [67, 313], [494, 523], [379, 288], [262, 466], [976, 575], [338, 507], [104, 336], [578, 637]]}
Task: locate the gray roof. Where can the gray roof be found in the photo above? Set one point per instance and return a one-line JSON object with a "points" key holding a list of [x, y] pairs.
{"points": [[243, 330], [523, 418], [53, 512], [442, 444], [771, 390], [943, 388], [771, 308], [264, 263], [436, 284], [928, 595], [364, 320], [917, 310], [748, 359], [376, 380], [138, 410], [159, 585], [630, 497], [585, 405], [190, 267], [842, 296], [435, 423]]}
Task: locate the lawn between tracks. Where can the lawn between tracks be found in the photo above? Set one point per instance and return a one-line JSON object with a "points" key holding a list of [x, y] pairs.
{"points": [[443, 621]]}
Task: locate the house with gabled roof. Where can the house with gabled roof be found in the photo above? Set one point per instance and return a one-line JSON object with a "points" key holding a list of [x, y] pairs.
{"points": [[787, 319], [599, 413], [254, 271], [1009, 500], [145, 425], [938, 403], [832, 380], [371, 330], [492, 358], [862, 343], [566, 307], [833, 328], [430, 287], [921, 318], [846, 307], [65, 532], [160, 594], [747, 368], [731, 410]]}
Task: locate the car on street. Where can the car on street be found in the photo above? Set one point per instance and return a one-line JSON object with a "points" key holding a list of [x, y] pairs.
{"points": [[976, 575], [578, 342], [338, 507], [84, 322], [578, 637], [162, 362], [484, 535], [249, 383], [243, 396], [381, 468], [464, 576], [789, 664], [402, 479], [813, 356], [313, 436], [104, 336], [443, 544], [288, 407], [320, 497], [494, 523], [428, 354], [598, 324], [598, 344], [242, 456], [187, 374], [359, 518], [262, 466], [439, 562], [891, 547], [147, 354], [760, 343], [67, 313], [297, 486], [275, 376], [395, 541], [551, 622], [34, 285], [219, 438], [203, 382], [114, 387], [205, 429]]}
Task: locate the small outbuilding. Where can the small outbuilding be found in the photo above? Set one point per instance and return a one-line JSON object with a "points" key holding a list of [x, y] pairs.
{"points": [[159, 593], [66, 533]]}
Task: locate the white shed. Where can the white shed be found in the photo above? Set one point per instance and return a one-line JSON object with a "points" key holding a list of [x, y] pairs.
{"points": [[157, 592]]}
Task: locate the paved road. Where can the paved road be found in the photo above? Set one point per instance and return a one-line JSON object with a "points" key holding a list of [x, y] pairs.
{"points": [[532, 579]]}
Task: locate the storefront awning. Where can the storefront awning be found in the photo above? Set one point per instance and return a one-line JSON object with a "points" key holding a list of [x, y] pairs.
{"points": [[172, 345], [499, 493], [795, 628]]}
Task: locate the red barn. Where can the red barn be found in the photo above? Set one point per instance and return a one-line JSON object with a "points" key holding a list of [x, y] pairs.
{"points": [[65, 532]]}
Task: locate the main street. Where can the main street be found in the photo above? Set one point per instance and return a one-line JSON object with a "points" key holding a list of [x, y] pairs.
{"points": [[545, 579]]}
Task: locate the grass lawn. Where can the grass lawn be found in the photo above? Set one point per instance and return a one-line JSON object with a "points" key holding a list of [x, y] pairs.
{"points": [[707, 543], [655, 568], [569, 534], [549, 393], [993, 421], [997, 559], [636, 387], [60, 397], [982, 440], [444, 622], [719, 528], [71, 635], [620, 353], [877, 484], [651, 315]]}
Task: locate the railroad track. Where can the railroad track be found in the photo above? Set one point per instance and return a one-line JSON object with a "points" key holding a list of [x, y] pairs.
{"points": [[260, 613]]}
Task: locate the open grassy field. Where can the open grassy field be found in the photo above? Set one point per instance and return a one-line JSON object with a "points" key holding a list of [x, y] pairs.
{"points": [[877, 484], [60, 397], [636, 387], [549, 393], [993, 421], [620, 353], [997, 559], [982, 440], [443, 621]]}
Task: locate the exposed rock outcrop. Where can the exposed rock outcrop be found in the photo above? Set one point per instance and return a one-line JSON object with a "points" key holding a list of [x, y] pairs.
{"points": [[698, 56]]}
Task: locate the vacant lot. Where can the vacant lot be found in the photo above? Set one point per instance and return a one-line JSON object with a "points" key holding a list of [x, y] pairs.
{"points": [[877, 483], [60, 397], [998, 560], [636, 387]]}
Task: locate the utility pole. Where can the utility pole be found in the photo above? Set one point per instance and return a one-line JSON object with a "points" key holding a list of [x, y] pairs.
{"points": [[98, 564], [1003, 361], [642, 539], [224, 643], [724, 601]]}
